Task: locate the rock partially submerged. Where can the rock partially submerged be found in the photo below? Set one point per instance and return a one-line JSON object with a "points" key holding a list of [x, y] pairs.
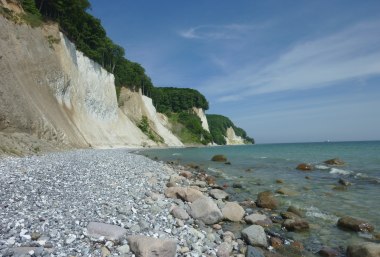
{"points": [[297, 225], [305, 167], [350, 223], [287, 191], [219, 158], [266, 199], [363, 249], [143, 246], [335, 162]]}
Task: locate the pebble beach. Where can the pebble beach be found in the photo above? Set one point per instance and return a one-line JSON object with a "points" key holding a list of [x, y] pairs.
{"points": [[116, 203]]}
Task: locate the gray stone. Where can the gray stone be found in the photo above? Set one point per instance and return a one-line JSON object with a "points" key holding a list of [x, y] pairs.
{"points": [[187, 194], [180, 213], [233, 211], [253, 252], [218, 194], [224, 250], [143, 246], [255, 235], [205, 210], [255, 217], [124, 249], [109, 232], [363, 249]]}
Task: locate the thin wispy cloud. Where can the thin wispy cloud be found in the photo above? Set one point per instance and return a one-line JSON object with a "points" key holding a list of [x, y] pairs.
{"points": [[214, 32], [352, 53]]}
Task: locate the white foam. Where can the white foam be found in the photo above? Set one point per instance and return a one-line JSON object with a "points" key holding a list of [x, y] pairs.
{"points": [[316, 213], [322, 167], [340, 171], [175, 154]]}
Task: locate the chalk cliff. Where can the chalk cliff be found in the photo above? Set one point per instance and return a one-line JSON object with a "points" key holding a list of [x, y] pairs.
{"points": [[201, 114], [135, 106], [232, 138], [50, 90]]}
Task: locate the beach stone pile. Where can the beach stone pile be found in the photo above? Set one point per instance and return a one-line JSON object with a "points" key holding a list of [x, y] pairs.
{"points": [[115, 203]]}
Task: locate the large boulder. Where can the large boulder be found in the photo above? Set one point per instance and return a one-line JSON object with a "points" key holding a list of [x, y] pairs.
{"points": [[266, 199], [205, 210], [187, 194], [305, 167], [363, 249], [218, 194], [255, 235], [109, 232], [143, 246], [233, 211], [296, 225], [219, 158], [334, 162], [350, 223]]}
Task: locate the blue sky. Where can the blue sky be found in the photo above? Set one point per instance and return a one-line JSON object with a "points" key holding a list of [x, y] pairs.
{"points": [[285, 71]]}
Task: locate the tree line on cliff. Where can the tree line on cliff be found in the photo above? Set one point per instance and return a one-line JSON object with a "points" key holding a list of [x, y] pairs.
{"points": [[89, 36]]}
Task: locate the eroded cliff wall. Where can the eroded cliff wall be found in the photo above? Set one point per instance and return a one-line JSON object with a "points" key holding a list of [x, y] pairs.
{"points": [[201, 114], [51, 90], [135, 106], [232, 138]]}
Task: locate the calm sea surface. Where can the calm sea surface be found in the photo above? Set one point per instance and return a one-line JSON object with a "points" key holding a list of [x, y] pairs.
{"points": [[317, 197]]}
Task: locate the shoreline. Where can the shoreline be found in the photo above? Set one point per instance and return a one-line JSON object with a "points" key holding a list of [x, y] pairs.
{"points": [[59, 196]]}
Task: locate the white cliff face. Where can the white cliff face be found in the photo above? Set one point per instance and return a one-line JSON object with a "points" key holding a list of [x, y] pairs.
{"points": [[55, 92], [135, 105], [232, 138], [201, 114]]}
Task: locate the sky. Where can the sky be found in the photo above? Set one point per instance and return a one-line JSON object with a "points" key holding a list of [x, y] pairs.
{"points": [[285, 71]]}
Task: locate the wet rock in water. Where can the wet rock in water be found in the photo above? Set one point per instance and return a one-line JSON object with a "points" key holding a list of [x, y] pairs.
{"points": [[295, 210], [237, 185], [328, 252], [109, 232], [255, 235], [279, 181], [180, 213], [233, 211], [143, 246], [276, 219], [218, 194], [297, 225], [253, 252], [289, 215], [224, 250], [350, 223], [219, 158], [256, 217], [227, 163], [287, 191], [210, 180], [205, 210], [340, 188], [266, 199], [363, 249], [187, 194], [344, 182], [305, 167], [334, 162]]}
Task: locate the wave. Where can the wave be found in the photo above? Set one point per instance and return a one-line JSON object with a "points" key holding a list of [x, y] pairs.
{"points": [[340, 171], [176, 154], [322, 167], [316, 213]]}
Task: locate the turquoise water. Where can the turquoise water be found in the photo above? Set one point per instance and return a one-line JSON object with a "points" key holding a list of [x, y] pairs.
{"points": [[317, 197]]}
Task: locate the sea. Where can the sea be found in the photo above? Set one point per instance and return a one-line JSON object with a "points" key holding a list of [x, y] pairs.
{"points": [[319, 194]]}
